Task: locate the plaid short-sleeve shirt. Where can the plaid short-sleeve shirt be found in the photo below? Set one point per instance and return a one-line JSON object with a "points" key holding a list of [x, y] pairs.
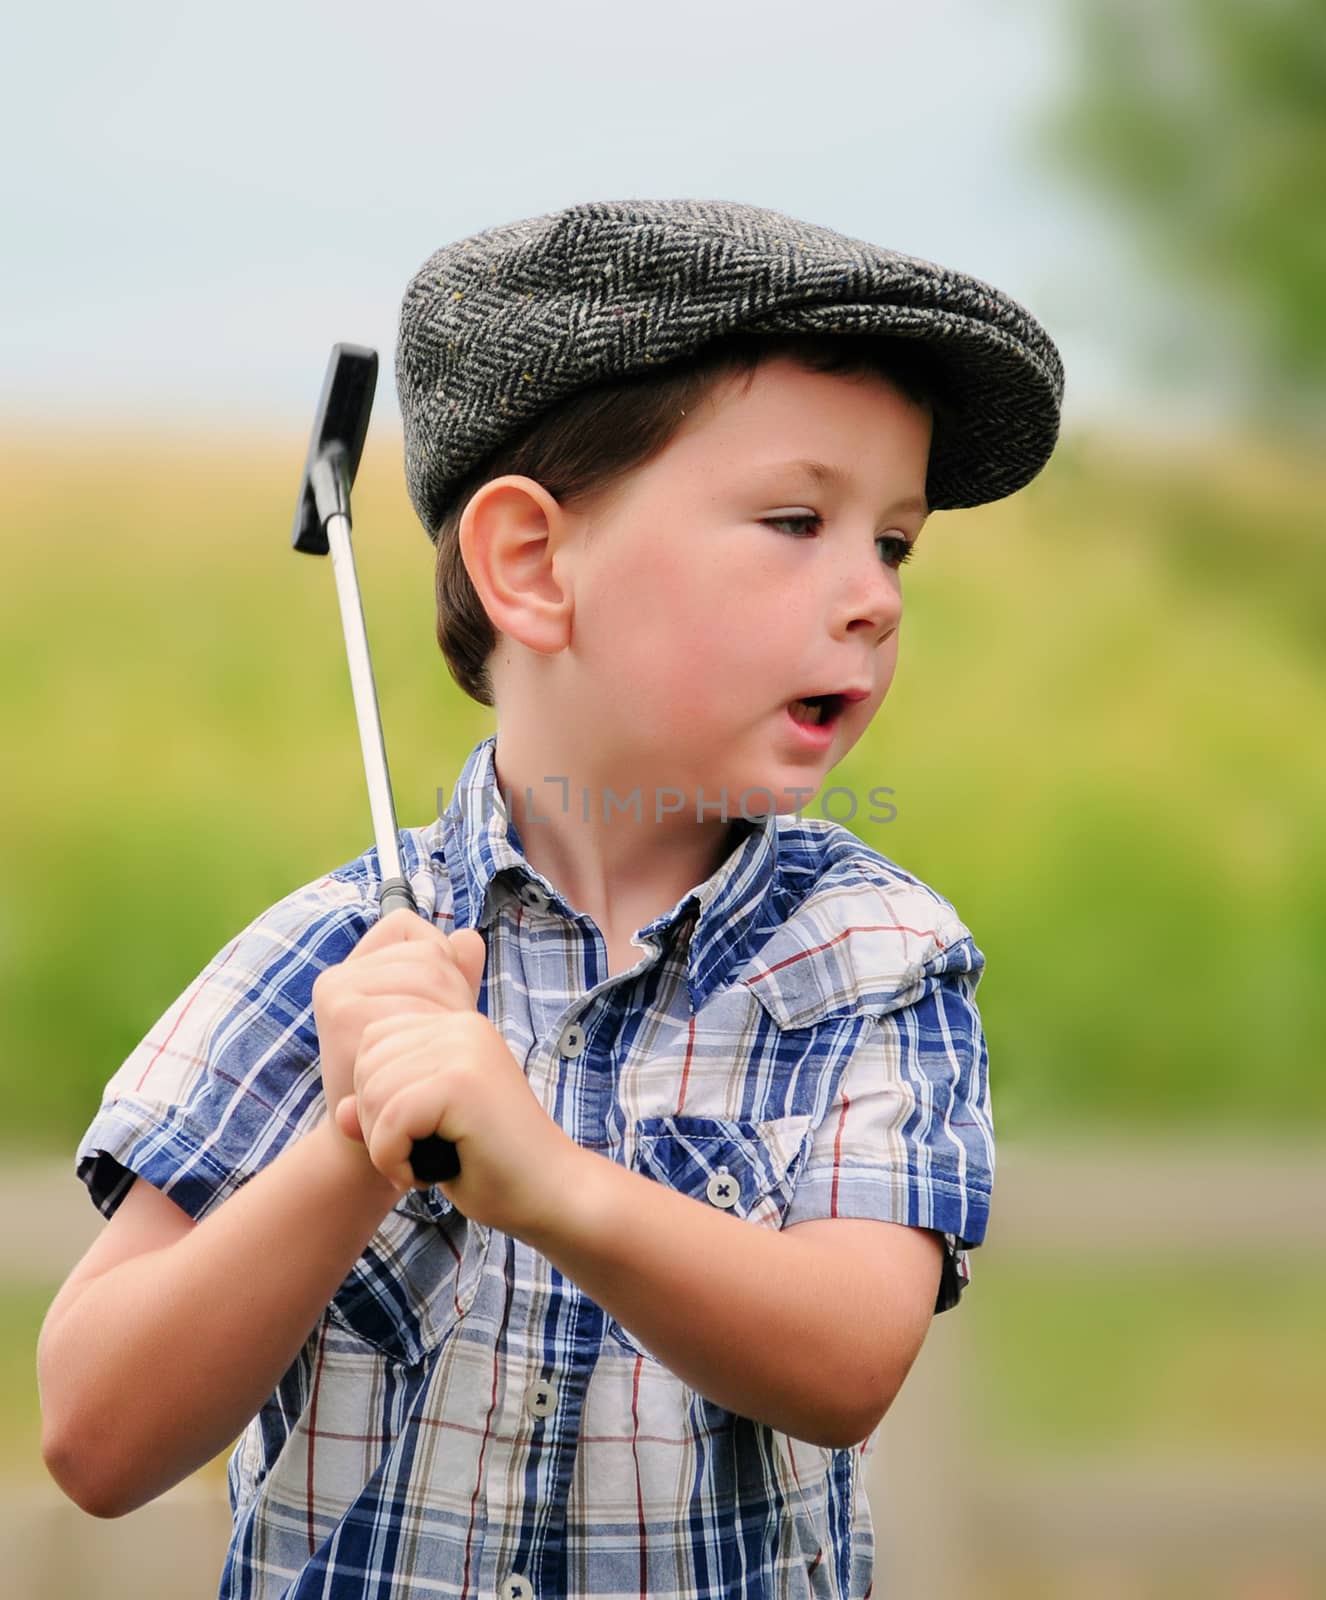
{"points": [[798, 1039]]}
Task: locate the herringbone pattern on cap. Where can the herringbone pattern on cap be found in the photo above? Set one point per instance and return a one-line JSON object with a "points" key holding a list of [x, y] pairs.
{"points": [[498, 327]]}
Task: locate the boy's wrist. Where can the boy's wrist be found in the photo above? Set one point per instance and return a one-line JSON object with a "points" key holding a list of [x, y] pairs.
{"points": [[353, 1159], [579, 1204]]}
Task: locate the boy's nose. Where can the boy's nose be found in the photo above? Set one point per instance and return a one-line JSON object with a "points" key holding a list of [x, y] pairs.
{"points": [[870, 603]]}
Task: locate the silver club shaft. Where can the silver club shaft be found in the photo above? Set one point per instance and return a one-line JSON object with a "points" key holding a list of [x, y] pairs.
{"points": [[365, 697]]}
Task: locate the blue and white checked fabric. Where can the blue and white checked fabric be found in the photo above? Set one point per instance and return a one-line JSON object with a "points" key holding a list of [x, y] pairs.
{"points": [[464, 1421]]}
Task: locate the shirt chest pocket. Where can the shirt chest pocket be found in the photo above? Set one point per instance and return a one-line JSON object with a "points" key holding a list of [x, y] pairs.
{"points": [[416, 1279], [747, 1170]]}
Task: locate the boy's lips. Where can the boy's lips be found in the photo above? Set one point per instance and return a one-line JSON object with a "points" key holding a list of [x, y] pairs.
{"points": [[815, 729], [833, 694], [812, 735], [835, 701]]}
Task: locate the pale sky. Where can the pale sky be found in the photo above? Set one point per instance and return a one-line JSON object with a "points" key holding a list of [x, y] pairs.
{"points": [[201, 201]]}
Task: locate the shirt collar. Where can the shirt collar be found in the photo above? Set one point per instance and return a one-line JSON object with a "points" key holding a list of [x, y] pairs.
{"points": [[723, 916]]}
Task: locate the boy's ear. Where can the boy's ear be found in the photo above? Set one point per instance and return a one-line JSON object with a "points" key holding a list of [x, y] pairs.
{"points": [[514, 539]]}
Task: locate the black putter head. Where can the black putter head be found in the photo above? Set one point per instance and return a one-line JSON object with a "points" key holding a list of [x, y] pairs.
{"points": [[341, 423]]}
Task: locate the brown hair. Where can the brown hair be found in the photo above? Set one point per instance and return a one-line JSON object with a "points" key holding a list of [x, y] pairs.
{"points": [[590, 440]]}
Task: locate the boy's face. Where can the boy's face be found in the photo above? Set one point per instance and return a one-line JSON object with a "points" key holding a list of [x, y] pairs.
{"points": [[701, 614]]}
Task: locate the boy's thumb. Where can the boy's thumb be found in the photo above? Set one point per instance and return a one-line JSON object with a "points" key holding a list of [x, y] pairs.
{"points": [[469, 953], [346, 1116]]}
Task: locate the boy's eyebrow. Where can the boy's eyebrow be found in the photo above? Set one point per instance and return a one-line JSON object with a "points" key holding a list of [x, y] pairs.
{"points": [[826, 476]]}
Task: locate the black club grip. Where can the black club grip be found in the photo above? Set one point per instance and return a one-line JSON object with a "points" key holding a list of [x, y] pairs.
{"points": [[434, 1160]]}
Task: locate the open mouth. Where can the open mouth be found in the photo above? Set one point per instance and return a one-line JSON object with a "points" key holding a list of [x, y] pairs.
{"points": [[818, 710]]}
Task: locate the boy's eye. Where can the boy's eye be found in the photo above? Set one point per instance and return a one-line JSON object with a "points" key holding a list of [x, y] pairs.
{"points": [[895, 547], [804, 516]]}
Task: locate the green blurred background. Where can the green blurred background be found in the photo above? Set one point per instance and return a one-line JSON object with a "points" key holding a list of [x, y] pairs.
{"points": [[1106, 745]]}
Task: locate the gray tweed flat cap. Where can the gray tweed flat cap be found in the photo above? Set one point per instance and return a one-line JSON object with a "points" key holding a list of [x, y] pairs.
{"points": [[496, 328]]}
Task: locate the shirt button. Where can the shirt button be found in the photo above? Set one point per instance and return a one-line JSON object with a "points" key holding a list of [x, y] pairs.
{"points": [[516, 1588], [534, 897], [541, 1398], [722, 1189], [572, 1041]]}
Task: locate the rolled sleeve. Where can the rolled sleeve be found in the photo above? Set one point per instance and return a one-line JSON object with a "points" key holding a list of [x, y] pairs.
{"points": [[909, 1135], [230, 1073]]}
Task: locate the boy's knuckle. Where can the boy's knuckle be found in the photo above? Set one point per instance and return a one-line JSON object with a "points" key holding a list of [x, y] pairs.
{"points": [[336, 1004], [362, 1081], [374, 1112], [463, 1061]]}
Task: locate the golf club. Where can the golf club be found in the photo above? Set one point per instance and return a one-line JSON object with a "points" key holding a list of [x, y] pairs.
{"points": [[322, 523]]}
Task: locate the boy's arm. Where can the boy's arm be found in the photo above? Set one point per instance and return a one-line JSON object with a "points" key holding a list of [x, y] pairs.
{"points": [[169, 1335], [149, 1366], [810, 1330]]}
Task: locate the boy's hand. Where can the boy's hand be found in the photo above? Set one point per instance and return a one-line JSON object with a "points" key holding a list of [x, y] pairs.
{"points": [[402, 966], [452, 1073]]}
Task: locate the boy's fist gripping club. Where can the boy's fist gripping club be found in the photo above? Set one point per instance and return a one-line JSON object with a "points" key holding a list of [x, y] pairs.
{"points": [[401, 965], [406, 1053], [453, 1074]]}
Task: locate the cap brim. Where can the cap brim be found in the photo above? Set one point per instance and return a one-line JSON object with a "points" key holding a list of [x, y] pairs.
{"points": [[999, 420]]}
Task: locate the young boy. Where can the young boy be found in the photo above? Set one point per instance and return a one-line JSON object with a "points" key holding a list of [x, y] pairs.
{"points": [[713, 1068]]}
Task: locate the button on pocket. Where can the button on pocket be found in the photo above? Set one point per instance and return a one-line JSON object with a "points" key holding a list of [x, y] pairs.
{"points": [[722, 1190], [416, 1278]]}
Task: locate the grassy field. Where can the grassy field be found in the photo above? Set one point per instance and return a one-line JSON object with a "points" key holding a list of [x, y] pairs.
{"points": [[1104, 741], [1133, 1361]]}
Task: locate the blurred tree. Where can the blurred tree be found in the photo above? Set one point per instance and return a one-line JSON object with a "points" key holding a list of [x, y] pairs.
{"points": [[1205, 121]]}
